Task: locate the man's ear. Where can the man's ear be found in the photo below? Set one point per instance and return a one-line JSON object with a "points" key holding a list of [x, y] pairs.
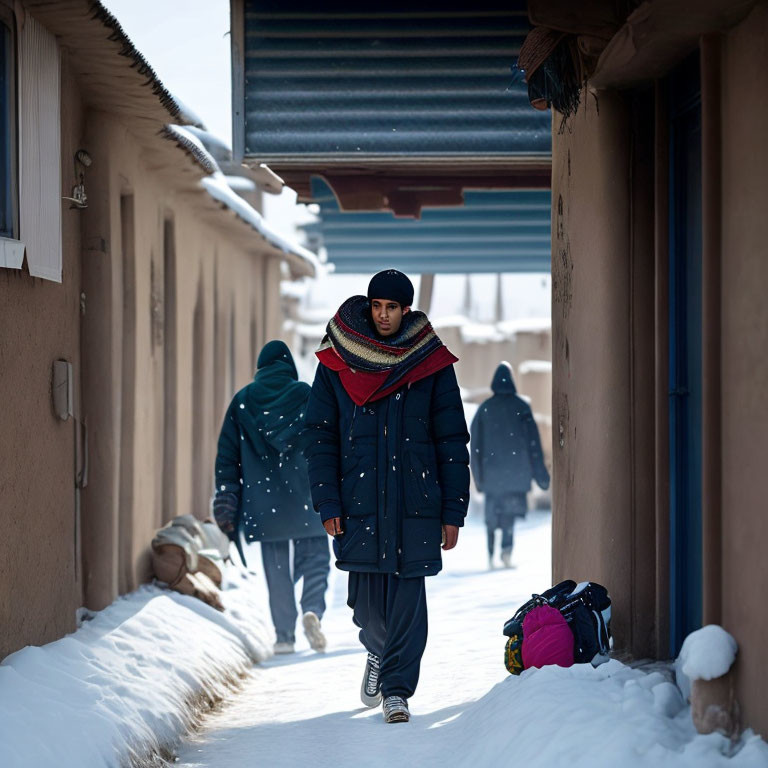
{"points": [[406, 310]]}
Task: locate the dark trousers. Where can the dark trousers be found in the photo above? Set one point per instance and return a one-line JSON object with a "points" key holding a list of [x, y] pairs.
{"points": [[507, 538], [392, 615], [501, 512], [311, 560]]}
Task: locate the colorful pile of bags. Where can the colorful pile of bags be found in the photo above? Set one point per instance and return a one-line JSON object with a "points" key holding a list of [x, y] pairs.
{"points": [[567, 624]]}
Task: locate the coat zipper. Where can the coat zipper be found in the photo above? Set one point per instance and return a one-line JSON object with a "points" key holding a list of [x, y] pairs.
{"points": [[400, 492], [386, 473]]}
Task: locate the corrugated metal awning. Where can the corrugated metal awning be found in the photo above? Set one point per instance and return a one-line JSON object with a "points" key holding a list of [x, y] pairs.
{"points": [[494, 231], [330, 88]]}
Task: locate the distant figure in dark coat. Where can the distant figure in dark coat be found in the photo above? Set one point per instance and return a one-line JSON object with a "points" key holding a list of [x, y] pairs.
{"points": [[505, 455], [389, 471], [262, 487]]}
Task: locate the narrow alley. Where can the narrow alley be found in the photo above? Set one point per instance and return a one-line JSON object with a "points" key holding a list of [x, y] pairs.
{"points": [[297, 297], [468, 711]]}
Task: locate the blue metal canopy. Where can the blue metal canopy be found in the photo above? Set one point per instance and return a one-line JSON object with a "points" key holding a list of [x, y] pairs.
{"points": [[494, 231], [345, 81]]}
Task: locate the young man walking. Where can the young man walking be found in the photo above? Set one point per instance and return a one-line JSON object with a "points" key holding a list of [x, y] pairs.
{"points": [[506, 456], [262, 486], [388, 469]]}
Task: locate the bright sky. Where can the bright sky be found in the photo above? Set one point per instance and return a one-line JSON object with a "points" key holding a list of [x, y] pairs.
{"points": [[187, 44]]}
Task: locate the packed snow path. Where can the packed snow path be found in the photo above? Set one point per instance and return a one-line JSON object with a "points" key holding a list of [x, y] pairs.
{"points": [[304, 709]]}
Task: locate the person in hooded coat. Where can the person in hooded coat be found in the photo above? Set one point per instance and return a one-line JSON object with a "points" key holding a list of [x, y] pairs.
{"points": [[262, 487], [505, 456], [388, 468]]}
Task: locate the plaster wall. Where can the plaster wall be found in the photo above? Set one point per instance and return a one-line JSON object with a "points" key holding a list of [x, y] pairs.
{"points": [[214, 275], [532, 345], [537, 386], [744, 358], [39, 572], [591, 373]]}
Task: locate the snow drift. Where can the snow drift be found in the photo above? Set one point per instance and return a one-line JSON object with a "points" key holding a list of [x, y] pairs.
{"points": [[130, 681]]}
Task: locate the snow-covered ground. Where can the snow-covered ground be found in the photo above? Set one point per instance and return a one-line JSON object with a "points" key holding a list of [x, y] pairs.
{"points": [[304, 709], [131, 680]]}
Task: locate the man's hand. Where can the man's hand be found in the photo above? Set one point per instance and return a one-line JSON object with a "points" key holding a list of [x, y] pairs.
{"points": [[333, 526], [225, 513], [450, 536]]}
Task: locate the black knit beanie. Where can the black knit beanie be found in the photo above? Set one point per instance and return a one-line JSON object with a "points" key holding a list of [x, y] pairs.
{"points": [[391, 284]]}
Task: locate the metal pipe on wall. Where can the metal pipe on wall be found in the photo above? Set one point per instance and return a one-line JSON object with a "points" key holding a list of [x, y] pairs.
{"points": [[711, 150]]}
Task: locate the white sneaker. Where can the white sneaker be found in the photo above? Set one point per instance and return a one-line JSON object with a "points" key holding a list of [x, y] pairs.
{"points": [[506, 558], [313, 632], [491, 564], [283, 646], [370, 690]]}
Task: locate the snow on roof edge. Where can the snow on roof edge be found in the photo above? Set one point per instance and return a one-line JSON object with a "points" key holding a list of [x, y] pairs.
{"points": [[192, 145], [176, 108], [534, 366], [526, 324], [217, 187]]}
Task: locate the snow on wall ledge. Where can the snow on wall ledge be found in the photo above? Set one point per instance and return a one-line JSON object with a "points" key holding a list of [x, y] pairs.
{"points": [[707, 653], [131, 681]]}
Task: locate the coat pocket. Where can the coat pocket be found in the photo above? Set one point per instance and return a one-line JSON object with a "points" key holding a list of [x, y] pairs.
{"points": [[422, 494], [358, 543], [358, 488]]}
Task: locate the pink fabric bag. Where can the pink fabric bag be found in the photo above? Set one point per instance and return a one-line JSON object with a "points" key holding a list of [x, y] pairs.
{"points": [[547, 638]]}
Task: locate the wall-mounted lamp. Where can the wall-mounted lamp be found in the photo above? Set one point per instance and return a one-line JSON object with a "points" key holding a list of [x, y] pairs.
{"points": [[79, 199]]}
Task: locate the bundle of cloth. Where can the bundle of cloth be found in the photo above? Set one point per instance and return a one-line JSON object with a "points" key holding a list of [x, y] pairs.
{"points": [[187, 556]]}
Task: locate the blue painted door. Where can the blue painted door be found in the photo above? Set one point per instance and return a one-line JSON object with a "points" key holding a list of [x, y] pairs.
{"points": [[685, 352]]}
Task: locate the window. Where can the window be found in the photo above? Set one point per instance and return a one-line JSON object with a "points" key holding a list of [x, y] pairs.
{"points": [[8, 183], [30, 158]]}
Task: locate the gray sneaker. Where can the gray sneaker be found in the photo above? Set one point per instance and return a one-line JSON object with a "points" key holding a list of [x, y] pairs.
{"points": [[396, 710], [284, 646], [370, 690], [311, 623]]}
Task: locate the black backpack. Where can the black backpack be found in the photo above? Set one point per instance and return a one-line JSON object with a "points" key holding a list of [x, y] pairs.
{"points": [[587, 609], [554, 596]]}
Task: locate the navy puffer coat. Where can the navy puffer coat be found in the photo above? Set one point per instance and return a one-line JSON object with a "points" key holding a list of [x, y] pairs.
{"points": [[395, 470], [260, 459], [506, 448]]}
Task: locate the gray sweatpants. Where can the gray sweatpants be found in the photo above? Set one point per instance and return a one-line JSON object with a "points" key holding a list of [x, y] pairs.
{"points": [[311, 561]]}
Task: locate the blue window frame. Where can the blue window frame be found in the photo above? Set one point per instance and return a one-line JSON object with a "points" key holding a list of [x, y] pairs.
{"points": [[685, 352], [8, 183]]}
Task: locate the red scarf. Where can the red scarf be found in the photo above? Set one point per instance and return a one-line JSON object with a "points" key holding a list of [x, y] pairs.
{"points": [[365, 386]]}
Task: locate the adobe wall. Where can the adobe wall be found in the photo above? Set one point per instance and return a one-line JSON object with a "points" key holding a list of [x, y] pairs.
{"points": [[40, 323], [745, 356], [218, 284], [591, 527]]}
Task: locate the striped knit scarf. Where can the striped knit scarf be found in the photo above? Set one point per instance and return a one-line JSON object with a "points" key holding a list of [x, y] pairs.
{"points": [[381, 364]]}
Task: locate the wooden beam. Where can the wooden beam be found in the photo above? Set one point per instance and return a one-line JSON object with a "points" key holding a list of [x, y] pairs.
{"points": [[405, 195]]}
